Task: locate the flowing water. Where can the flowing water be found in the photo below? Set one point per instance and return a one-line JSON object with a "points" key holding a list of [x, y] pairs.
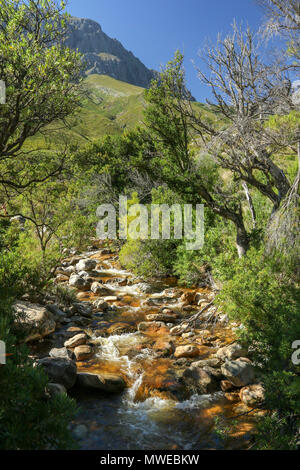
{"points": [[151, 413]]}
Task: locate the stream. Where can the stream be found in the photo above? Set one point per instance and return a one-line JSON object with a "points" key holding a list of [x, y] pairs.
{"points": [[154, 412]]}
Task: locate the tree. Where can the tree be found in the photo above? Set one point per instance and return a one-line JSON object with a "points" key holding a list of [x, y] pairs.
{"points": [[41, 77], [284, 19], [173, 129], [246, 92]]}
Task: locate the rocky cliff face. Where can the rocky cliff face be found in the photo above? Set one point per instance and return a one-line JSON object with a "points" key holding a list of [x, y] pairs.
{"points": [[106, 56]]}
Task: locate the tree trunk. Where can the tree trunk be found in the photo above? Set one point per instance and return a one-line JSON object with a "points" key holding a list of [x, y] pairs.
{"points": [[242, 241], [250, 203]]}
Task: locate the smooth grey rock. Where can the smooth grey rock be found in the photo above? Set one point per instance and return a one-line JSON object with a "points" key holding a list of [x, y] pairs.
{"points": [[59, 370], [105, 382], [239, 372]]}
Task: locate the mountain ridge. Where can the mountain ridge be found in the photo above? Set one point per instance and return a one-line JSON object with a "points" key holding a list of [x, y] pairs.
{"points": [[104, 55]]}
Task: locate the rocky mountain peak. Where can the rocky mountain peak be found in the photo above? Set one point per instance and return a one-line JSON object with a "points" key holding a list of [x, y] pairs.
{"points": [[106, 56]]}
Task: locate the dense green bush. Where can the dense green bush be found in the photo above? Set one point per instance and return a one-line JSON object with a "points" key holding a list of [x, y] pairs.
{"points": [[28, 418], [267, 304]]}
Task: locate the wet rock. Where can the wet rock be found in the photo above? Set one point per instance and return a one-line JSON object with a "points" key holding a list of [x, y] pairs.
{"points": [[159, 300], [83, 352], [76, 340], [252, 395], [200, 381], [161, 317], [58, 314], [55, 389], [188, 350], [120, 329], [214, 372], [65, 271], [172, 292], [239, 372], [86, 265], [101, 305], [188, 297], [62, 353], [163, 347], [36, 321], [212, 362], [59, 370], [233, 351], [148, 288], [144, 326], [79, 282], [98, 289], [109, 383], [83, 308]]}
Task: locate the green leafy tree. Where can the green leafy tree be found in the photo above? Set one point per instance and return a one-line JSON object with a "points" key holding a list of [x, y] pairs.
{"points": [[41, 77]]}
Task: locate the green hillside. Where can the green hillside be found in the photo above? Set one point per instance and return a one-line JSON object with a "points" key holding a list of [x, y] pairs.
{"points": [[108, 107]]}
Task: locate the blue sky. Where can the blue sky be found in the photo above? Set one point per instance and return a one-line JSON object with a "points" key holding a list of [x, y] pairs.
{"points": [[154, 30]]}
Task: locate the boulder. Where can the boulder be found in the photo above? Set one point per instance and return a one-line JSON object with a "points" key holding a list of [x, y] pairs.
{"points": [[56, 389], [239, 372], [188, 350], [200, 381], [59, 370], [62, 353], [98, 289], [212, 362], [233, 351], [252, 395], [58, 314], [105, 382], [79, 282], [83, 352], [101, 305], [82, 308], [76, 340], [65, 271], [36, 321], [86, 265]]}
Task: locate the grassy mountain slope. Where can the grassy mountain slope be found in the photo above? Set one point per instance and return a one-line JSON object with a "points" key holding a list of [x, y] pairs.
{"points": [[108, 107]]}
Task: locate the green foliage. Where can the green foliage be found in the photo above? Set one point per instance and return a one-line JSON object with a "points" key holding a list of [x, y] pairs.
{"points": [[268, 306], [28, 418], [41, 76]]}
